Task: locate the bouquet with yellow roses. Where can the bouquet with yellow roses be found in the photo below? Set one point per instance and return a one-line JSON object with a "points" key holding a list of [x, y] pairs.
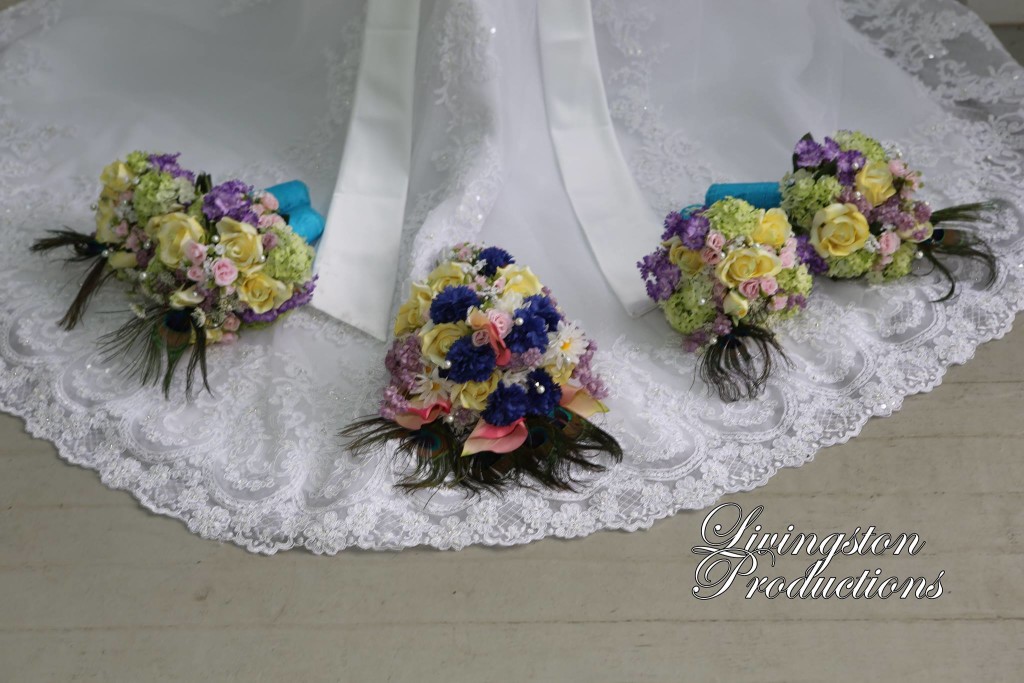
{"points": [[490, 384], [856, 201], [202, 262], [723, 275]]}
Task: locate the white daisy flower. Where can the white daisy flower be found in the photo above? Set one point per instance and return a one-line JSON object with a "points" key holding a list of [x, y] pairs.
{"points": [[566, 345], [431, 388]]}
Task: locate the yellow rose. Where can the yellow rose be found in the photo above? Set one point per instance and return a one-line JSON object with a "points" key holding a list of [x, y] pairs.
{"points": [[105, 221], [736, 305], [473, 395], [561, 375], [519, 280], [436, 341], [242, 244], [122, 259], [116, 177], [172, 231], [688, 260], [185, 298], [839, 230], [741, 265], [875, 182], [263, 293], [774, 228], [447, 274], [415, 311]]}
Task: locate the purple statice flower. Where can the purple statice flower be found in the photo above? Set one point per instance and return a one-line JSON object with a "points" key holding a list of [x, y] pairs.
{"points": [[848, 165], [696, 341], [797, 301], [809, 154], [660, 274], [673, 225], [168, 163], [695, 231], [303, 295], [403, 361], [830, 149], [524, 361], [809, 256], [849, 196], [922, 212], [585, 375], [393, 403], [230, 200], [722, 325]]}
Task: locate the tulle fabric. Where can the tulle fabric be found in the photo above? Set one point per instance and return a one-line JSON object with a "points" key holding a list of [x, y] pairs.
{"points": [[699, 91]]}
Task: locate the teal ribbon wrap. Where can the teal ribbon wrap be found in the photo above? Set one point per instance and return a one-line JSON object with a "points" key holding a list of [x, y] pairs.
{"points": [[761, 195], [293, 197]]}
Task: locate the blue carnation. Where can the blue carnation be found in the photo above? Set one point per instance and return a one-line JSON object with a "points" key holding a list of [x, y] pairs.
{"points": [[542, 306], [532, 334], [542, 403], [494, 258], [470, 363], [505, 405], [452, 304]]}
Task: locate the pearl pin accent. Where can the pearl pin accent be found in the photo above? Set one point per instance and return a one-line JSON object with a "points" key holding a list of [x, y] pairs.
{"points": [[143, 276], [105, 253], [215, 239], [858, 195], [520, 322], [919, 255], [539, 387], [447, 365]]}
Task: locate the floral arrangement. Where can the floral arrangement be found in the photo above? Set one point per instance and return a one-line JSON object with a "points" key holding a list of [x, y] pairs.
{"points": [[723, 276], [490, 384], [856, 201], [202, 262]]}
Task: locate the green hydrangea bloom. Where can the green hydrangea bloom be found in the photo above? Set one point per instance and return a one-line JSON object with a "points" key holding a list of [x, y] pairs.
{"points": [[684, 310], [733, 217], [854, 265], [868, 146], [803, 196], [195, 209], [291, 260], [155, 195], [902, 262], [137, 162], [795, 280]]}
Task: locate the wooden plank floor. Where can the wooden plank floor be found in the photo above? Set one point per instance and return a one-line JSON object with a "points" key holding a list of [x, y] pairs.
{"points": [[93, 588]]}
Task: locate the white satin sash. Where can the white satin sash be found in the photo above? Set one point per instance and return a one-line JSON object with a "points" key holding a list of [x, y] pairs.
{"points": [[607, 201], [357, 260]]}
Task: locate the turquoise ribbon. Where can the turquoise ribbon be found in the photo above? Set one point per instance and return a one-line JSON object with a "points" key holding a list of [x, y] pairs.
{"points": [[761, 195], [293, 197]]}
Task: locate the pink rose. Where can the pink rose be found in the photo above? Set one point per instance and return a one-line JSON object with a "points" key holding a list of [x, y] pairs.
{"points": [[481, 338], [224, 272], [269, 241], [270, 202], [501, 320], [788, 258], [750, 289], [769, 285], [133, 242], [897, 168], [231, 323], [715, 240], [195, 252], [269, 220], [888, 243], [259, 209], [710, 256], [196, 273], [779, 302]]}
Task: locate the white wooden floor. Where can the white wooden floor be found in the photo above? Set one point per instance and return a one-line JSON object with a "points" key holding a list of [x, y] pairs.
{"points": [[93, 588]]}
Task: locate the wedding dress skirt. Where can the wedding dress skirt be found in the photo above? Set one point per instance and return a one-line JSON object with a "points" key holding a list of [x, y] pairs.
{"points": [[698, 92]]}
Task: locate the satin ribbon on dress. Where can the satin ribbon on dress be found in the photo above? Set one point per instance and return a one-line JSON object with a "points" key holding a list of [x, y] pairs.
{"points": [[605, 198], [357, 261]]}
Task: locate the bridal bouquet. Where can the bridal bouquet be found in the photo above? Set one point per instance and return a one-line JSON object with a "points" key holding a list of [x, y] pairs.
{"points": [[490, 383], [202, 262], [723, 276], [856, 201]]}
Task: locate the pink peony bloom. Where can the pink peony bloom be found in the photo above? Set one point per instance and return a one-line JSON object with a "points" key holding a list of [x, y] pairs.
{"points": [[715, 240], [769, 285], [231, 323], [779, 302], [195, 252], [270, 202], [888, 243], [710, 256], [788, 258], [224, 272], [750, 289], [196, 273]]}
